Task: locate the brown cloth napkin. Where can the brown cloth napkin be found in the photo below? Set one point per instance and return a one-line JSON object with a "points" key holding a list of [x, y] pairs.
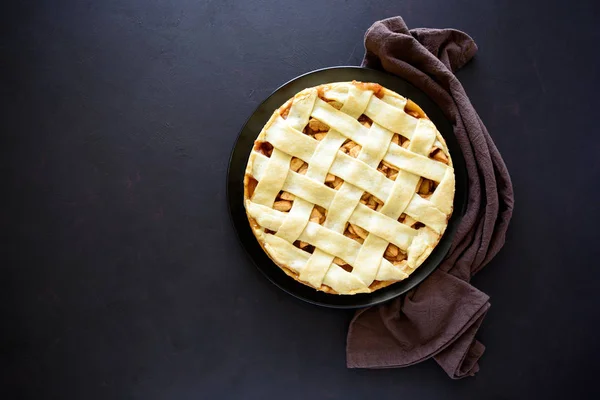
{"points": [[440, 317]]}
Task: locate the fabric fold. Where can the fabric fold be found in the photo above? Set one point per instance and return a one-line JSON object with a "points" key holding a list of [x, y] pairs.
{"points": [[440, 317], [424, 323]]}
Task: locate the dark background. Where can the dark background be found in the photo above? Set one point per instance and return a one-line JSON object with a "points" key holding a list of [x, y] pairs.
{"points": [[121, 276]]}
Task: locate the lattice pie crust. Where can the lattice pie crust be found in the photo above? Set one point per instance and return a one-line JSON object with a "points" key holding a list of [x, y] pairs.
{"points": [[349, 187]]}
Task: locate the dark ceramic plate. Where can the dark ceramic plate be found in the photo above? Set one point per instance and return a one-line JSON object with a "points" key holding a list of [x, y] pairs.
{"points": [[239, 158]]}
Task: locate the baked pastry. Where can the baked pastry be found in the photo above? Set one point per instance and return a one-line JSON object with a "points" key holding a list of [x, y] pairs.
{"points": [[349, 187]]}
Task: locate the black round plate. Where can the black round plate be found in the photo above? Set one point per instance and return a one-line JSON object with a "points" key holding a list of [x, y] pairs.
{"points": [[239, 159]]}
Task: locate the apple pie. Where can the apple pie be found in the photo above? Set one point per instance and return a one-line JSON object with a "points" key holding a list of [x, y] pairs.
{"points": [[349, 187]]}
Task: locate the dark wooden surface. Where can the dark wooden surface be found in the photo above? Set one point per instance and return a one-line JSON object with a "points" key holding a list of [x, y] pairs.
{"points": [[121, 277]]}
